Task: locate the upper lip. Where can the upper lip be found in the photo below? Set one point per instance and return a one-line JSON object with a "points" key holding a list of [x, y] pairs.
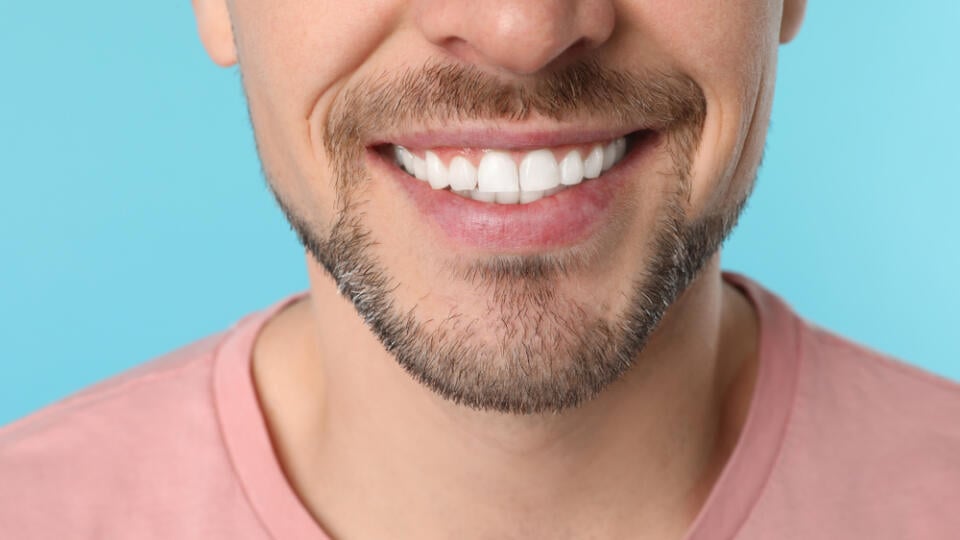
{"points": [[506, 137]]}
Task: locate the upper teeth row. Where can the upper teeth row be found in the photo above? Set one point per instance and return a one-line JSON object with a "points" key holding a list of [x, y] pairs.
{"points": [[498, 173]]}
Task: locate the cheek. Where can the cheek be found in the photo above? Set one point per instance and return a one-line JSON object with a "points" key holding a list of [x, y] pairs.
{"points": [[294, 56], [298, 50], [731, 53]]}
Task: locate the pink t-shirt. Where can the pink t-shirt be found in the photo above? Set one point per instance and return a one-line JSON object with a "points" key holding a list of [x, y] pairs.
{"points": [[839, 443]]}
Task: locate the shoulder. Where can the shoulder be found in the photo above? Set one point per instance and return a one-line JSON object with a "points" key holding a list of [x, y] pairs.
{"points": [[112, 451], [884, 416], [872, 448], [134, 391], [886, 397]]}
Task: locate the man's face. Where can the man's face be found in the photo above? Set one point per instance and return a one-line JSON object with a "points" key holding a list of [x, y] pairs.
{"points": [[515, 306]]}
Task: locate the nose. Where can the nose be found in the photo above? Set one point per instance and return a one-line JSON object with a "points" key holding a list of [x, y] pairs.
{"points": [[518, 36]]}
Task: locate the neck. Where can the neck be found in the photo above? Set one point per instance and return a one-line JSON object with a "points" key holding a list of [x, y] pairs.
{"points": [[358, 437]]}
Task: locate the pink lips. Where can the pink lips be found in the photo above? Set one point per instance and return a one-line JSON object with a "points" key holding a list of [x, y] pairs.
{"points": [[563, 219]]}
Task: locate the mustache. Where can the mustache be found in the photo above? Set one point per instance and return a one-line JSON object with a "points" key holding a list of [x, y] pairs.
{"points": [[439, 93]]}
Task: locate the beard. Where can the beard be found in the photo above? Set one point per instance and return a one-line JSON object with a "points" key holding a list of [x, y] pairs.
{"points": [[549, 351]]}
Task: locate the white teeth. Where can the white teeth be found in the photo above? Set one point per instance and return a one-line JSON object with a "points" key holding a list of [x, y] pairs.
{"points": [[483, 196], [530, 196], [497, 173], [571, 169], [593, 164], [419, 167], [609, 155], [436, 172], [463, 175], [539, 171], [499, 179], [405, 158], [621, 146], [507, 197]]}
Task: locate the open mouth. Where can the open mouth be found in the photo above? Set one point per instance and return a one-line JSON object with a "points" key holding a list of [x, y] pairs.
{"points": [[503, 192], [511, 176]]}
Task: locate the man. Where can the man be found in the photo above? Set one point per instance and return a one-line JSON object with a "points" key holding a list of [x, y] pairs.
{"points": [[517, 326]]}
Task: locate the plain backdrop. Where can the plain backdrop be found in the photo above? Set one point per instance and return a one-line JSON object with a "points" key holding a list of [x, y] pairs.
{"points": [[134, 219]]}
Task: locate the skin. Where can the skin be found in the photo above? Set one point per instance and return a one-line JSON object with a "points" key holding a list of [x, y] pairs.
{"points": [[374, 454]]}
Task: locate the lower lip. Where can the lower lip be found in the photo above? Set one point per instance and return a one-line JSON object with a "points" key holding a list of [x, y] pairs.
{"points": [[561, 220]]}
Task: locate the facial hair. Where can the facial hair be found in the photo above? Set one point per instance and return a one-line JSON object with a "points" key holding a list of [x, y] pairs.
{"points": [[550, 352]]}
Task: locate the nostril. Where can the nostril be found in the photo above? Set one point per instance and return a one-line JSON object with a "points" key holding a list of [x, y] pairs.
{"points": [[578, 46], [458, 47], [571, 54]]}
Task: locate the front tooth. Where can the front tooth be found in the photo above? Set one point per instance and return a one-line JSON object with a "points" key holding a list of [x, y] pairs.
{"points": [[621, 145], [571, 169], [482, 196], [436, 172], [406, 158], [462, 175], [419, 167], [507, 197], [530, 196], [539, 171], [609, 155], [497, 173], [593, 165]]}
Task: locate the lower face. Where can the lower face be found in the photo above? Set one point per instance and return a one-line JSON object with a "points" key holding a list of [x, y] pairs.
{"points": [[520, 260]]}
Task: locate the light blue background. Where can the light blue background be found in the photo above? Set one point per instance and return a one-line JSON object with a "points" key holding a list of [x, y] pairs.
{"points": [[133, 218]]}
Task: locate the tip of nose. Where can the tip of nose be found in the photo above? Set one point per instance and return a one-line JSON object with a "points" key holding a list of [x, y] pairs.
{"points": [[526, 58], [520, 37], [515, 64]]}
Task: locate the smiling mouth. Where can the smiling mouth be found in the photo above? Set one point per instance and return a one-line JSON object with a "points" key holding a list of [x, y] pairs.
{"points": [[504, 176]]}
